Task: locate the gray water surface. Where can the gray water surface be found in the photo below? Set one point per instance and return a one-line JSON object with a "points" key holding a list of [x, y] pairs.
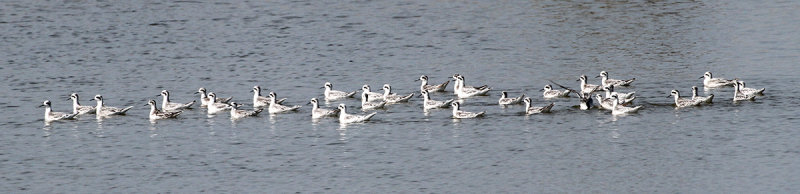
{"points": [[129, 51]]}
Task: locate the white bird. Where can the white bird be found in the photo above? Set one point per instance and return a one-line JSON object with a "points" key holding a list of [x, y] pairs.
{"points": [[205, 101], [214, 107], [711, 82], [459, 114], [49, 115], [344, 117], [586, 87], [738, 95], [624, 98], [367, 105], [605, 81], [373, 95], [78, 108], [388, 97], [682, 102], [750, 91], [156, 114], [317, 112], [431, 88], [331, 95], [618, 109], [701, 99], [605, 103], [460, 84], [102, 110], [428, 104], [549, 92], [535, 110], [168, 106], [238, 114], [464, 91], [262, 101], [275, 108], [586, 101], [505, 100]]}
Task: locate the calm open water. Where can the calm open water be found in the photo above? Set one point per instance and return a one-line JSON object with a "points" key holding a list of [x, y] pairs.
{"points": [[129, 51]]}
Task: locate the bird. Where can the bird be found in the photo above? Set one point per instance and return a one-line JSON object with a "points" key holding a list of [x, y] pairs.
{"points": [[367, 105], [505, 100], [102, 110], [317, 112], [275, 108], [331, 95], [49, 115], [682, 102], [344, 117], [78, 108], [428, 104], [459, 114], [166, 105], [586, 101], [624, 98], [373, 95], [156, 114], [431, 88], [238, 114], [701, 99], [534, 110], [388, 97], [750, 91], [605, 81], [711, 82], [262, 101], [605, 103], [738, 95], [205, 101], [549, 92], [464, 91], [619, 109], [214, 107], [586, 87]]}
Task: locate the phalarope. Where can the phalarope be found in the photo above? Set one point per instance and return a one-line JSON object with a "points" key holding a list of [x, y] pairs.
{"points": [[388, 97], [614, 82], [344, 117], [682, 102], [262, 101], [750, 91], [710, 82], [168, 106], [317, 112], [205, 101], [367, 105], [431, 88], [586, 101], [586, 87], [618, 109], [238, 114], [427, 103], [78, 108], [463, 85], [464, 91], [624, 98], [275, 108], [738, 95], [701, 99], [505, 100], [372, 95], [459, 114], [214, 107], [49, 115], [549, 92], [102, 110], [156, 114], [331, 95], [605, 103], [535, 110]]}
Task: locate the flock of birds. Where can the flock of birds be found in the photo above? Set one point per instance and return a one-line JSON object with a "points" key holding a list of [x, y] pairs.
{"points": [[616, 102]]}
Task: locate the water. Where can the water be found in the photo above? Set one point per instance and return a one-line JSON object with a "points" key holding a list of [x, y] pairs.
{"points": [[129, 51]]}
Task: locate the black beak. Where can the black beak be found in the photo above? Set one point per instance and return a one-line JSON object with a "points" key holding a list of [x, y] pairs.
{"points": [[596, 76], [541, 90], [158, 95], [669, 96], [323, 87], [91, 99], [578, 80], [416, 80], [197, 92], [701, 77], [41, 105]]}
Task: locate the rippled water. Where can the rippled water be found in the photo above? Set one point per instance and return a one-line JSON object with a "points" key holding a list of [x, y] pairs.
{"points": [[129, 51]]}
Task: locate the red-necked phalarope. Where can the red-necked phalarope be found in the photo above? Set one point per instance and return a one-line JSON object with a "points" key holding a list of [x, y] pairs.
{"points": [[459, 114], [214, 107], [605, 81], [464, 91], [156, 114], [535, 110], [750, 91], [701, 99], [388, 97], [505, 100], [344, 117], [238, 114], [367, 105], [428, 104], [275, 108], [682, 102], [373, 96], [738, 95], [78, 108], [317, 112], [586, 87], [261, 101], [168, 106], [618, 109], [49, 115], [624, 98], [102, 110], [549, 92], [431, 88], [710, 82], [331, 95], [205, 101]]}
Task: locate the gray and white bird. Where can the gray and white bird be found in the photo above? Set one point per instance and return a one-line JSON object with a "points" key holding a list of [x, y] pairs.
{"points": [[459, 114], [367, 105], [464, 91], [345, 117], [238, 114], [317, 112], [750, 91], [710, 82], [605, 81], [431, 88], [505, 100], [586, 87], [331, 95], [682, 102], [428, 103], [738, 95], [389, 97], [624, 98], [205, 100], [275, 108], [262, 101], [78, 108], [214, 107], [549, 92], [619, 109], [372, 95], [701, 99], [156, 114], [168, 106], [49, 115], [102, 110], [534, 109]]}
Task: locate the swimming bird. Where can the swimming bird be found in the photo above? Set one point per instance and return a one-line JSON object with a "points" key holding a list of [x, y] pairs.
{"points": [[428, 104], [102, 110], [586, 87], [750, 91], [168, 106], [317, 112], [205, 101], [586, 101], [738, 95], [624, 98], [238, 114], [367, 105], [711, 82], [344, 117], [78, 108], [156, 114], [534, 110], [549, 92], [505, 100], [605, 81], [214, 107], [388, 97], [431, 88], [464, 91], [682, 102], [459, 114], [49, 115], [331, 95], [701, 99], [605, 103], [275, 108], [619, 109], [372, 95], [262, 101]]}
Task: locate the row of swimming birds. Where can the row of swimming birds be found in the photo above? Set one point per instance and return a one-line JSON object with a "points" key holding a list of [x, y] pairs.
{"points": [[617, 102]]}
